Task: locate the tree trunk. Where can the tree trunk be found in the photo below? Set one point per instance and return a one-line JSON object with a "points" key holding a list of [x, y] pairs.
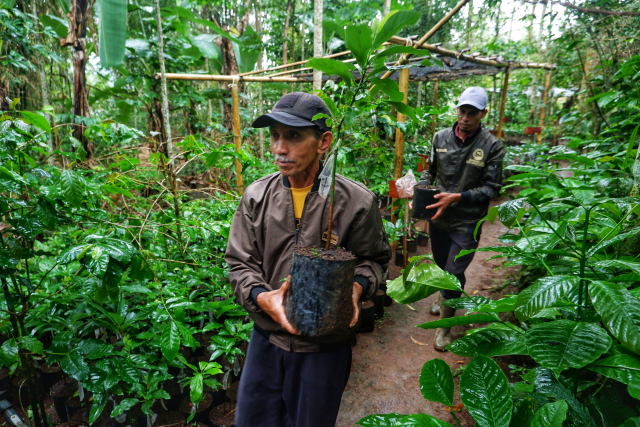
{"points": [[285, 51], [163, 86], [386, 7], [76, 37], [317, 41], [469, 22]]}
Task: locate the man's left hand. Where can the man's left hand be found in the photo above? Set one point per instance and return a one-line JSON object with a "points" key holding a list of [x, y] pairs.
{"points": [[444, 200], [357, 293]]}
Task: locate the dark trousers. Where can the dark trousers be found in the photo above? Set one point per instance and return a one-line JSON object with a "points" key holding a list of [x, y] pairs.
{"points": [[446, 247], [284, 389]]}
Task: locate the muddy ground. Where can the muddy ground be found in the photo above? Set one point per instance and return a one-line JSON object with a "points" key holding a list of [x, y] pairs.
{"points": [[387, 362]]}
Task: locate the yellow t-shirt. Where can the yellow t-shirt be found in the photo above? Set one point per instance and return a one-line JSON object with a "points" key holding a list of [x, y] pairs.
{"points": [[299, 196]]}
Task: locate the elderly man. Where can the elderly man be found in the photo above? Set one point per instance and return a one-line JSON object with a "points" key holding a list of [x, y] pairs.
{"points": [[289, 379], [466, 166]]}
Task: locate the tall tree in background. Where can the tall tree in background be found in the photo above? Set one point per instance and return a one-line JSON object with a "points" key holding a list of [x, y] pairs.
{"points": [[77, 39], [317, 41]]}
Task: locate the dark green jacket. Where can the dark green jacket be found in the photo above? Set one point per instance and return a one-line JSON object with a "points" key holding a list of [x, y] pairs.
{"points": [[473, 169]]}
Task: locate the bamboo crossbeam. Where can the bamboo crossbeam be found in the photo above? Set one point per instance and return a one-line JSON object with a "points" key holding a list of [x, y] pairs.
{"points": [[405, 57], [222, 78], [475, 59]]}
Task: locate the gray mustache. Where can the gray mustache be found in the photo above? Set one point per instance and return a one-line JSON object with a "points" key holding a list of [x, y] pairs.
{"points": [[283, 159]]}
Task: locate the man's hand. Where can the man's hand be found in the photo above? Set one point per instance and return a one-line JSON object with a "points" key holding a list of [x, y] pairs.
{"points": [[444, 200], [272, 304], [357, 293]]}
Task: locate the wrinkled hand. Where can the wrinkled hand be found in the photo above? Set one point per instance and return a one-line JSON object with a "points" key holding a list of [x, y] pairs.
{"points": [[444, 200], [272, 304], [357, 293]]}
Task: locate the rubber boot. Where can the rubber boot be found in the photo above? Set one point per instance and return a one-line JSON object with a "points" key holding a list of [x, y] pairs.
{"points": [[435, 307], [443, 335]]}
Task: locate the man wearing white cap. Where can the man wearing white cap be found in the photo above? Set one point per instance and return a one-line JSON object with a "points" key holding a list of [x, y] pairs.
{"points": [[466, 166]]}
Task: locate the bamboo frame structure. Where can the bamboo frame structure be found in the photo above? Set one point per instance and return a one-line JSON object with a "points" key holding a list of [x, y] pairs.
{"points": [[405, 57], [238, 78], [237, 136], [545, 100], [399, 139], [503, 101]]}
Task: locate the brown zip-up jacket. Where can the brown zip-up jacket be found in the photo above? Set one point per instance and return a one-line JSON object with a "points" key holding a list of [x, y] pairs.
{"points": [[263, 234], [472, 168]]}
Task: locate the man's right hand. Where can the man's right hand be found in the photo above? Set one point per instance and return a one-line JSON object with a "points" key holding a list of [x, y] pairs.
{"points": [[272, 304]]}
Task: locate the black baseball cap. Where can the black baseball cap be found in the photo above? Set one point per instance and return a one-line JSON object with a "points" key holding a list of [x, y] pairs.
{"points": [[296, 109]]}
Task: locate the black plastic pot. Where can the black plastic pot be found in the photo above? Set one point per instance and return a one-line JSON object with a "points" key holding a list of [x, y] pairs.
{"points": [[421, 199], [73, 404], [412, 245], [399, 258], [219, 396], [319, 300], [378, 300], [387, 217], [422, 239], [367, 317], [60, 392]]}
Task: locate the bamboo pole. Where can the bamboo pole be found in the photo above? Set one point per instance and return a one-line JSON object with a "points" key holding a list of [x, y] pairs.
{"points": [[503, 101], [418, 105], [543, 108], [237, 137], [223, 78], [399, 157], [399, 149], [474, 59], [405, 57]]}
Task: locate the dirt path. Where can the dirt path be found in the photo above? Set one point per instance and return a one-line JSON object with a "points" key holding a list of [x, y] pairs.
{"points": [[387, 362]]}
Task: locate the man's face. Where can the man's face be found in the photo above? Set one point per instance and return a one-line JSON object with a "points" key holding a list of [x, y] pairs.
{"points": [[295, 149], [469, 117]]}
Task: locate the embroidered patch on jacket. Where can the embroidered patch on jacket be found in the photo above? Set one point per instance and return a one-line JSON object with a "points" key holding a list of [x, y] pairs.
{"points": [[441, 150], [475, 162], [334, 238], [478, 154]]}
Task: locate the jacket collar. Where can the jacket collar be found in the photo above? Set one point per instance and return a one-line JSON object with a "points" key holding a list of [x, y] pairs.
{"points": [[469, 139], [316, 183]]}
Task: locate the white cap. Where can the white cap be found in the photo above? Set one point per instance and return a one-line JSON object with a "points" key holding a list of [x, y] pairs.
{"points": [[474, 96]]}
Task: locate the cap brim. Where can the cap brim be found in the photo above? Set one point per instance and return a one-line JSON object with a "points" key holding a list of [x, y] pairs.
{"points": [[267, 120], [473, 104]]}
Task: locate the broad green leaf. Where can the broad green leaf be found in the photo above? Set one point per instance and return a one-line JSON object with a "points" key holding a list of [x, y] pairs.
{"points": [[112, 18], [632, 422], [404, 109], [388, 87], [9, 352], [620, 312], [31, 344], [124, 406], [542, 294], [111, 279], [359, 40], [75, 366], [436, 382], [419, 281], [397, 420], [205, 42], [72, 187], [59, 25], [564, 344], [508, 212], [170, 341], [493, 340], [99, 402], [393, 23], [37, 120], [332, 67], [46, 214], [551, 415], [98, 261], [195, 385], [459, 320], [485, 392], [621, 367]]}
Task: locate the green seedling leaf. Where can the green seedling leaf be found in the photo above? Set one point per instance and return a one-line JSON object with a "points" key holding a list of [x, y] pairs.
{"points": [[393, 23], [332, 67], [359, 40], [72, 188], [75, 366], [551, 415], [493, 340], [419, 281], [459, 320], [621, 367], [37, 120], [170, 341], [564, 344], [543, 294], [124, 406], [436, 382], [485, 392], [620, 312]]}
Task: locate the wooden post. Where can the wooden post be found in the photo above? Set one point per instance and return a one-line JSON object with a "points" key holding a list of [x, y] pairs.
{"points": [[397, 163], [237, 138], [543, 108], [418, 105], [399, 157], [503, 101], [435, 104]]}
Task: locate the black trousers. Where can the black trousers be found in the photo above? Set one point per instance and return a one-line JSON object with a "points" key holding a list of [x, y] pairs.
{"points": [[284, 389], [446, 247]]}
